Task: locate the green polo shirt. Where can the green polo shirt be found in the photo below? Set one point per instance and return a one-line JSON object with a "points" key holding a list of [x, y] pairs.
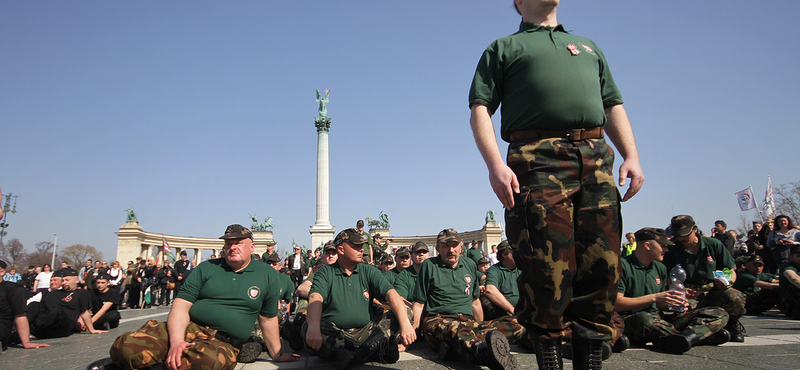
{"points": [[711, 256], [784, 285], [287, 287], [505, 280], [346, 300], [746, 281], [541, 83], [637, 280], [231, 301], [447, 290], [476, 254], [405, 282], [391, 275]]}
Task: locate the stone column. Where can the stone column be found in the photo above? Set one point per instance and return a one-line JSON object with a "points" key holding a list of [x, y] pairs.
{"points": [[322, 231]]}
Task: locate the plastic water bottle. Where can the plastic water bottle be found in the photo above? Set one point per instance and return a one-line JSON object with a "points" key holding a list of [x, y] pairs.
{"points": [[677, 276]]}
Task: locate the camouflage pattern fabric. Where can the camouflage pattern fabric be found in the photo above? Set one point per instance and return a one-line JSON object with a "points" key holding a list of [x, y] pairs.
{"points": [[334, 338], [645, 326], [565, 229], [462, 332], [149, 345], [731, 300], [760, 301]]}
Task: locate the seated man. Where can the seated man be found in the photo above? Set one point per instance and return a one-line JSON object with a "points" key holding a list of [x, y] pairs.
{"points": [[340, 318], [212, 316], [761, 288], [105, 300], [501, 293], [62, 312], [700, 256], [642, 297], [789, 275], [402, 261], [447, 286], [405, 282], [12, 309]]}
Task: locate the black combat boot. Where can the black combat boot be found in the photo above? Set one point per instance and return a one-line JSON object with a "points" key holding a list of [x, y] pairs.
{"points": [[566, 349], [620, 345], [588, 354], [104, 364], [495, 352], [548, 354], [363, 353], [720, 337], [677, 343], [736, 329]]}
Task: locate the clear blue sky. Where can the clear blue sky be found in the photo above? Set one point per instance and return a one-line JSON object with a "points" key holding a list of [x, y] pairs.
{"points": [[198, 113]]}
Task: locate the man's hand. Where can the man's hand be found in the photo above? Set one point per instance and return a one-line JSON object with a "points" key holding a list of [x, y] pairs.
{"points": [[672, 298], [176, 351], [314, 337], [505, 184], [288, 357], [31, 345], [407, 333], [719, 284], [691, 294], [631, 169]]}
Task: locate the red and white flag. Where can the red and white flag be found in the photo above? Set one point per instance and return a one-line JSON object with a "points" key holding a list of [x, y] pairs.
{"points": [[769, 202], [746, 199]]}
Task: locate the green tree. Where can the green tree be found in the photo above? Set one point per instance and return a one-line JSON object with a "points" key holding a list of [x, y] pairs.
{"points": [[77, 254], [13, 253]]}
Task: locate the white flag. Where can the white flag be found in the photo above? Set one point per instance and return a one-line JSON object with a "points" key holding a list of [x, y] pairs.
{"points": [[746, 199], [769, 202]]}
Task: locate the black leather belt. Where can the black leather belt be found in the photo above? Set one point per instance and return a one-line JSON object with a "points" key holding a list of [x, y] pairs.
{"points": [[574, 134]]}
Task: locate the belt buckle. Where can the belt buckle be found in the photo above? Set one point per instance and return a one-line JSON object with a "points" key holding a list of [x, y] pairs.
{"points": [[575, 134]]}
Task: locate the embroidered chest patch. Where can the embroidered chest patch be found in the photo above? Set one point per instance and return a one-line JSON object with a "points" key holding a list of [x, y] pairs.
{"points": [[253, 292]]}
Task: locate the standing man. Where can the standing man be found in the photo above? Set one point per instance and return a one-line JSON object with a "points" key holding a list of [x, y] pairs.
{"points": [[212, 316], [559, 101], [720, 233], [700, 256], [475, 252], [643, 294], [368, 256], [297, 264], [341, 320], [181, 266], [270, 251]]}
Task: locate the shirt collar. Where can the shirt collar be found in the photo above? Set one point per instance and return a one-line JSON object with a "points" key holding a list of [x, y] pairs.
{"points": [[533, 27], [337, 269], [636, 263]]}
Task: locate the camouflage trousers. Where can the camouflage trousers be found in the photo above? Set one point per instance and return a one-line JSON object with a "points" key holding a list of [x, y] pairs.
{"points": [[334, 338], [149, 345], [462, 332], [646, 326], [760, 301], [731, 300], [565, 230]]}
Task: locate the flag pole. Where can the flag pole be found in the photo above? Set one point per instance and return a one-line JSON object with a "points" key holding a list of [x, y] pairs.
{"points": [[755, 200]]}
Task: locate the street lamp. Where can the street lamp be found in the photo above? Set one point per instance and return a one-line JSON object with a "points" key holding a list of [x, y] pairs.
{"points": [[6, 209], [55, 248]]}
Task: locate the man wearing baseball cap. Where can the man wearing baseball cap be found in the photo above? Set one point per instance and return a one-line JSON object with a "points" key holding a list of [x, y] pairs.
{"points": [[760, 287], [405, 282], [501, 293], [643, 293], [368, 256], [340, 318], [700, 256], [212, 316], [447, 287], [402, 261]]}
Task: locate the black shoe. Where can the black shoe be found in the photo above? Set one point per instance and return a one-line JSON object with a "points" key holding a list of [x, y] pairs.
{"points": [[499, 355], [444, 351], [390, 354], [104, 326], [621, 344], [736, 330], [720, 337], [587, 353], [344, 359], [675, 344], [249, 353], [104, 364], [548, 354], [566, 349]]}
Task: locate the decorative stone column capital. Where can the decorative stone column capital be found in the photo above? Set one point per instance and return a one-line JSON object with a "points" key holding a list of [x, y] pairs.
{"points": [[323, 124]]}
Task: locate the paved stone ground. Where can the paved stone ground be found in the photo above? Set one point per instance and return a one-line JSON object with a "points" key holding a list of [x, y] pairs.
{"points": [[772, 342]]}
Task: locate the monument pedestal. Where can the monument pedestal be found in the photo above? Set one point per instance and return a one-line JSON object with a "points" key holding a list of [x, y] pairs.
{"points": [[321, 234], [261, 238]]}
